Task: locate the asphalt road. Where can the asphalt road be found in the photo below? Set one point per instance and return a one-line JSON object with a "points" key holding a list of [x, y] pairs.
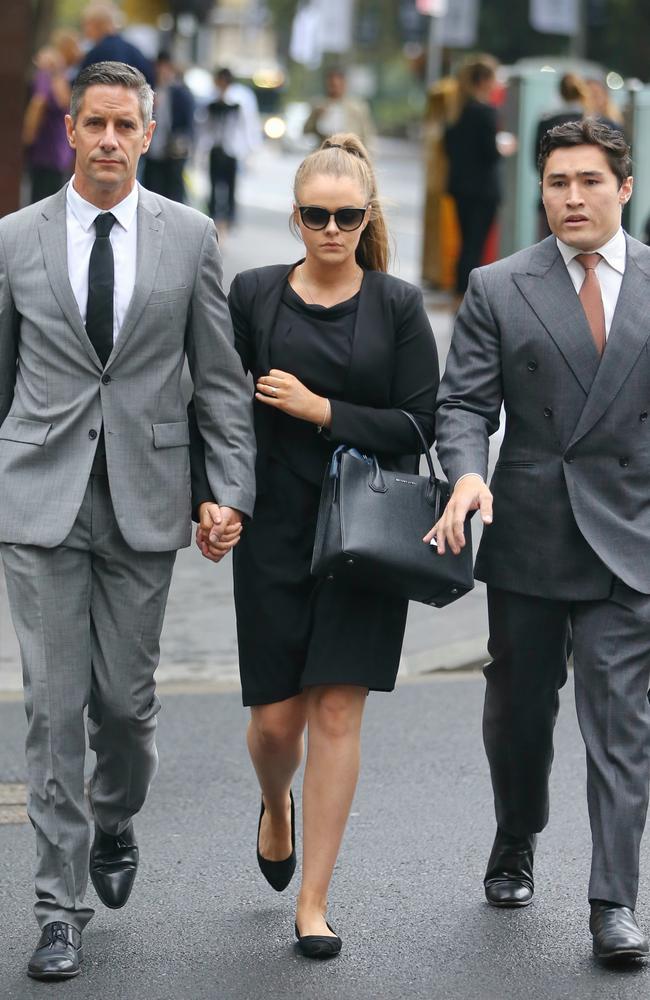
{"points": [[407, 897]]}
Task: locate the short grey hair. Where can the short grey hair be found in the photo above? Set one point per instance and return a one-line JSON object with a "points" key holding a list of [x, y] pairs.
{"points": [[113, 74]]}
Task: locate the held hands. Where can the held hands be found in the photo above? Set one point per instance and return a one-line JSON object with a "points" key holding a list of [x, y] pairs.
{"points": [[218, 531], [470, 493], [285, 392]]}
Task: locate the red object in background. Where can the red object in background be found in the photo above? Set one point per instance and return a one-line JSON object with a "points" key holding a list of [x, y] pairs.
{"points": [[491, 248]]}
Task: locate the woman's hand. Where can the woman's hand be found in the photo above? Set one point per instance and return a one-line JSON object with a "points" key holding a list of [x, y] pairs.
{"points": [[287, 393]]}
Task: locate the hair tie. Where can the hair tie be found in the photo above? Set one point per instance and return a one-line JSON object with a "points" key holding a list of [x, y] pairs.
{"points": [[346, 149]]}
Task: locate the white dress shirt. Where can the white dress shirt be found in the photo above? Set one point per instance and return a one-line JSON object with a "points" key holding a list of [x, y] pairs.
{"points": [[609, 271], [80, 219]]}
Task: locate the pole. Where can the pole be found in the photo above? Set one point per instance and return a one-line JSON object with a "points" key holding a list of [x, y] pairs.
{"points": [[434, 49]]}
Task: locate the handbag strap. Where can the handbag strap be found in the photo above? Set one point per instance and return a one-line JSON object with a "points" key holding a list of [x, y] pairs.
{"points": [[424, 447]]}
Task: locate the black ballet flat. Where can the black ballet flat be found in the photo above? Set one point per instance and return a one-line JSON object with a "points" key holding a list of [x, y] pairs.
{"points": [[319, 945], [278, 873]]}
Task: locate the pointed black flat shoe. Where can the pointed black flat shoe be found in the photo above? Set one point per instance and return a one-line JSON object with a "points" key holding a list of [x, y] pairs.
{"points": [[278, 873], [58, 953], [113, 866], [318, 945]]}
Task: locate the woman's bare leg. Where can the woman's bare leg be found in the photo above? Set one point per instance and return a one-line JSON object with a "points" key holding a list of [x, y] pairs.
{"points": [[334, 714], [275, 743]]}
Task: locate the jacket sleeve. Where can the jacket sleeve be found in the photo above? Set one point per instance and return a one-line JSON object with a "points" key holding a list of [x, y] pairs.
{"points": [[9, 327], [471, 392], [201, 490], [414, 385], [222, 396]]}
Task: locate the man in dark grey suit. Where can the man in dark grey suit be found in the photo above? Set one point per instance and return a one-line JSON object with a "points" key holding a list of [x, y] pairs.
{"points": [[558, 334], [105, 289]]}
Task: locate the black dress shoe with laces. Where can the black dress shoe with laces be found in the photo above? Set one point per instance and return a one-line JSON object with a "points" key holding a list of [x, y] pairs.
{"points": [[278, 873], [509, 877], [113, 866], [58, 953], [615, 931], [318, 945]]}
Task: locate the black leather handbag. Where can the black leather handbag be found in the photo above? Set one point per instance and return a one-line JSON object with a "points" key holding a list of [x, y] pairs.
{"points": [[370, 526]]}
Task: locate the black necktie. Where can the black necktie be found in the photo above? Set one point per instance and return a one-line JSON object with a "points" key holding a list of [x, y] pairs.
{"points": [[99, 310]]}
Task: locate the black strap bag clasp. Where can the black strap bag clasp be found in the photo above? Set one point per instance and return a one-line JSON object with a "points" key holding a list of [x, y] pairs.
{"points": [[370, 526]]}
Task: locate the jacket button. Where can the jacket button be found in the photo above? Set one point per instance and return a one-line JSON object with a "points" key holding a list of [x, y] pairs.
{"points": [[92, 433], [532, 366], [624, 462], [568, 460], [106, 379], [644, 415], [548, 412]]}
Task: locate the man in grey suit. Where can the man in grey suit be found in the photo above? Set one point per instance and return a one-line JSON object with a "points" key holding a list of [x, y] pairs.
{"points": [[558, 333], [105, 289]]}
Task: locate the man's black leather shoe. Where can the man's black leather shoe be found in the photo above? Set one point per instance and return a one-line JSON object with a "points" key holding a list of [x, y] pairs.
{"points": [[509, 877], [616, 932], [58, 953], [113, 866]]}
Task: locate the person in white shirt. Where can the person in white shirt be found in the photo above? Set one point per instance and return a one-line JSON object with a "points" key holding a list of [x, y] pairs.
{"points": [[558, 335], [106, 289], [230, 133]]}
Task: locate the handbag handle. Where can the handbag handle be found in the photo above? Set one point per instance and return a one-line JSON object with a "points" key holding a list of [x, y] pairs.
{"points": [[424, 447]]}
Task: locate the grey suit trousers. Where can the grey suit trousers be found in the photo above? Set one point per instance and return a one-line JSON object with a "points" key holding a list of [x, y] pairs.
{"points": [[88, 616], [611, 656]]}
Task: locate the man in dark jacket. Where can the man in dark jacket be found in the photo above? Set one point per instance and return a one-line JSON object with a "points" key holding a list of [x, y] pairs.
{"points": [[100, 22]]}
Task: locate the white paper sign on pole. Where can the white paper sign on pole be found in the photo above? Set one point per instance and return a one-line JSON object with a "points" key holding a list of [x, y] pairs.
{"points": [[555, 17], [336, 25], [437, 8], [460, 24]]}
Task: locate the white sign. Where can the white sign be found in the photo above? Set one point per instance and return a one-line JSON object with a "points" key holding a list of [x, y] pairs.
{"points": [[460, 24], [321, 26], [554, 17], [434, 7]]}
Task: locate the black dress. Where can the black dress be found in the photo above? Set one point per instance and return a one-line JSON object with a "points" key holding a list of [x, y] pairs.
{"points": [[294, 630]]}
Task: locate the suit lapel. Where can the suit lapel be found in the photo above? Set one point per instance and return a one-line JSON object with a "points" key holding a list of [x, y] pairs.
{"points": [[52, 233], [370, 322], [265, 310], [151, 227], [549, 291], [628, 334]]}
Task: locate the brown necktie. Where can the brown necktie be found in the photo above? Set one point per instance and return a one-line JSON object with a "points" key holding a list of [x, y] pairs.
{"points": [[591, 297]]}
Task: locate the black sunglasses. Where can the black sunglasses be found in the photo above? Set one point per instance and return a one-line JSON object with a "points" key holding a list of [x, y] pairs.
{"points": [[347, 219]]}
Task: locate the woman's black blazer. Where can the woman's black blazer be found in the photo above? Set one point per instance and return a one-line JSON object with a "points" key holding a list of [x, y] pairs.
{"points": [[394, 365]]}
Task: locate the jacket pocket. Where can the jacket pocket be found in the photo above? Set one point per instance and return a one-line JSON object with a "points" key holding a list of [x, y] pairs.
{"points": [[515, 465], [167, 294], [24, 431], [173, 435]]}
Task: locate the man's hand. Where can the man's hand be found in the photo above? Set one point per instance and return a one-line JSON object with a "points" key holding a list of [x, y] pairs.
{"points": [[218, 531], [470, 493], [285, 392]]}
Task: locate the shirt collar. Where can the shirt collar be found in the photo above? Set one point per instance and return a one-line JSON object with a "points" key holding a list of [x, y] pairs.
{"points": [[85, 212], [614, 251]]}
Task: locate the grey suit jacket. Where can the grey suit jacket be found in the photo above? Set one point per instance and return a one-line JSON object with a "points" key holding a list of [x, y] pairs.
{"points": [[572, 484], [54, 395]]}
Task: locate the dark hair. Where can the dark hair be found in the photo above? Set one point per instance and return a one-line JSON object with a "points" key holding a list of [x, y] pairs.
{"points": [[112, 74], [474, 71], [223, 73], [344, 155], [588, 132], [572, 88]]}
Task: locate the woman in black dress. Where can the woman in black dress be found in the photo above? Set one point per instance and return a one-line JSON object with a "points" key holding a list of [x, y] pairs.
{"points": [[474, 149], [336, 347]]}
